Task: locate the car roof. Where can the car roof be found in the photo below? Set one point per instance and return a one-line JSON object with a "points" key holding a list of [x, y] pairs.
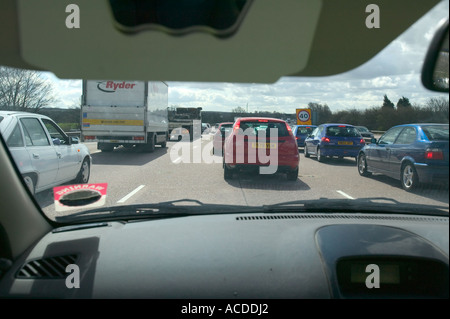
{"points": [[12, 113], [421, 124], [337, 124], [249, 119]]}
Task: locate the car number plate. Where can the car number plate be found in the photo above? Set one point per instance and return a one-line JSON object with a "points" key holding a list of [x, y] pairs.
{"points": [[264, 145], [345, 143]]}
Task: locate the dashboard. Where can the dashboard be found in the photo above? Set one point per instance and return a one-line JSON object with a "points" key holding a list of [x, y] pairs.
{"points": [[239, 256]]}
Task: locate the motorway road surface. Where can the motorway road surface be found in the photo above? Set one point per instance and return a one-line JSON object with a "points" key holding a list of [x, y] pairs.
{"points": [[173, 174]]}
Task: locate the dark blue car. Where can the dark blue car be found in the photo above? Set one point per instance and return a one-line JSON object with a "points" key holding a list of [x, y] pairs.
{"points": [[301, 132], [412, 153], [328, 140]]}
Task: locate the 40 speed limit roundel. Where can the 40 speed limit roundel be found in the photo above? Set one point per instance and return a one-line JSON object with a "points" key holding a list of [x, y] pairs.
{"points": [[303, 117]]}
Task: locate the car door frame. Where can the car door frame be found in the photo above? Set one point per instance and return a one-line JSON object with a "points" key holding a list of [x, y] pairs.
{"points": [[398, 153], [378, 157], [41, 156], [69, 159]]}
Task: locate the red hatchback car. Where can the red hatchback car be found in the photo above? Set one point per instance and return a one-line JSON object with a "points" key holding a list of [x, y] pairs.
{"points": [[260, 143], [223, 130]]}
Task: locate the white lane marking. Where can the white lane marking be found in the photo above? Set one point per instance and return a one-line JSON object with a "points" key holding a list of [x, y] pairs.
{"points": [[130, 194], [345, 195]]}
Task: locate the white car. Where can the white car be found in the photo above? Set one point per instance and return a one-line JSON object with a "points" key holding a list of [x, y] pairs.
{"points": [[44, 154]]}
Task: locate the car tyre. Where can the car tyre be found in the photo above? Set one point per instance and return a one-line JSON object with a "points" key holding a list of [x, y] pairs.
{"points": [[362, 165], [30, 183], [319, 155], [305, 152], [84, 173], [408, 177], [227, 172], [292, 175]]}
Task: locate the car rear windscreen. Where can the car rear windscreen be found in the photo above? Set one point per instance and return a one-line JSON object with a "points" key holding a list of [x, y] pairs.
{"points": [[342, 131], [436, 132], [255, 128], [304, 130]]}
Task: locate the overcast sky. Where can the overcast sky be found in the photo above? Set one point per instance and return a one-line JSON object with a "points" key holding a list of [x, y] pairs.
{"points": [[395, 71]]}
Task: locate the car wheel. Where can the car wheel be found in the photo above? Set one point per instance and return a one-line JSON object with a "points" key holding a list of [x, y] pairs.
{"points": [[362, 165], [319, 155], [84, 173], [227, 173], [292, 175], [30, 183], [409, 178], [305, 152]]}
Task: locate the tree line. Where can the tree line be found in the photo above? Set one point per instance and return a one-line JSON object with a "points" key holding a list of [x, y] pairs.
{"points": [[25, 90]]}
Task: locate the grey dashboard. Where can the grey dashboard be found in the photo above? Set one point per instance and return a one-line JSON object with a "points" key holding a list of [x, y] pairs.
{"points": [[239, 256]]}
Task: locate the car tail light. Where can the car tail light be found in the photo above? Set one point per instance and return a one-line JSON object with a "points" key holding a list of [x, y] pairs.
{"points": [[434, 154], [361, 141], [325, 139], [89, 137], [138, 138], [236, 126], [263, 120], [290, 130]]}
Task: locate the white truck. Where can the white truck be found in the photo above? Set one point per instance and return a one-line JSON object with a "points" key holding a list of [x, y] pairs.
{"points": [[125, 113]]}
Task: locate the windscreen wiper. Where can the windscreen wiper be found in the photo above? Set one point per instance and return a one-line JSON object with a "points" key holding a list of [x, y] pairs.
{"points": [[170, 209], [380, 205]]}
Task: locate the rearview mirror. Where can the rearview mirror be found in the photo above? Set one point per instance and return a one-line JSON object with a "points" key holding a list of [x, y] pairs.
{"points": [[435, 67]]}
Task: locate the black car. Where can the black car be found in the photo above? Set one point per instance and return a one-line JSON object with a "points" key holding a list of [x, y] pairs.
{"points": [[365, 133]]}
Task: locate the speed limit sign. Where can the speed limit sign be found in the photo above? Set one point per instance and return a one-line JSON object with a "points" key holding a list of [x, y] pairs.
{"points": [[303, 116]]}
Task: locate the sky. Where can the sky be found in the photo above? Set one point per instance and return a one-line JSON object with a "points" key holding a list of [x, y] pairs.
{"points": [[395, 71]]}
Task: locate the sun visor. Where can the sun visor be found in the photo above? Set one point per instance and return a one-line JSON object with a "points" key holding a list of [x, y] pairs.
{"points": [[259, 41]]}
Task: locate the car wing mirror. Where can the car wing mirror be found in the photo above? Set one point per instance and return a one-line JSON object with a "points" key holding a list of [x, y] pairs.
{"points": [[373, 140], [74, 140], [435, 67]]}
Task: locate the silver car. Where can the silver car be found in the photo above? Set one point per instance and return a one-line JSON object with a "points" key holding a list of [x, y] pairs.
{"points": [[45, 155]]}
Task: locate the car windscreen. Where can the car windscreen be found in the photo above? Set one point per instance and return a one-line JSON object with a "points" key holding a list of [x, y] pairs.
{"points": [[255, 128], [436, 132], [342, 131]]}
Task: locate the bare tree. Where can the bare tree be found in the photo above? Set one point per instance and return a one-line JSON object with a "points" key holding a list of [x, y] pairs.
{"points": [[24, 90]]}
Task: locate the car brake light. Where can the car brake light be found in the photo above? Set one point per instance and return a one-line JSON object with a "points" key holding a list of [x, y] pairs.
{"points": [[325, 139], [361, 141], [290, 130], [138, 138], [88, 137], [236, 126], [263, 120], [434, 154]]}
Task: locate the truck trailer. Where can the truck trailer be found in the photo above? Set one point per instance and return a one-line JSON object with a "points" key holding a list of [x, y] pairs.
{"points": [[185, 118], [125, 113]]}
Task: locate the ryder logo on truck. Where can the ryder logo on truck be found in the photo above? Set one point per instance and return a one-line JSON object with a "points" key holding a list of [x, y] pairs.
{"points": [[112, 86]]}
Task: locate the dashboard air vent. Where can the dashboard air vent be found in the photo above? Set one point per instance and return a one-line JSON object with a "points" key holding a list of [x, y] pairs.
{"points": [[47, 268]]}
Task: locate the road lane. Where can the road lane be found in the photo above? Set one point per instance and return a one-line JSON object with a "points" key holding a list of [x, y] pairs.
{"points": [[161, 176]]}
